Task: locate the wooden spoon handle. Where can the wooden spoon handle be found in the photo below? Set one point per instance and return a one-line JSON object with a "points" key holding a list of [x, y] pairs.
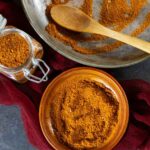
{"points": [[133, 41]]}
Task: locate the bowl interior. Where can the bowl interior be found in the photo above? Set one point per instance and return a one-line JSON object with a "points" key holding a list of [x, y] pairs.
{"points": [[121, 57]]}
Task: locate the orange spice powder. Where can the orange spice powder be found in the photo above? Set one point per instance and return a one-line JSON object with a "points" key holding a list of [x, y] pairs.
{"points": [[14, 50], [84, 113], [117, 14]]}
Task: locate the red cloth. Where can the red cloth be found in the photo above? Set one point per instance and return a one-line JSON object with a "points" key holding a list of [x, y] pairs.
{"points": [[28, 95]]}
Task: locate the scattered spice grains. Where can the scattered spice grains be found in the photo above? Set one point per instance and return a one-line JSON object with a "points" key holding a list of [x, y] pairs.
{"points": [[14, 50], [84, 113], [116, 14]]}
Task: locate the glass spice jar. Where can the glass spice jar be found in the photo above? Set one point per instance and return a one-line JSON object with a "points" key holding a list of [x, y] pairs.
{"points": [[25, 72]]}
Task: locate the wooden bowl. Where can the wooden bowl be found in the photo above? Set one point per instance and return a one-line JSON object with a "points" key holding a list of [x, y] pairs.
{"points": [[98, 76]]}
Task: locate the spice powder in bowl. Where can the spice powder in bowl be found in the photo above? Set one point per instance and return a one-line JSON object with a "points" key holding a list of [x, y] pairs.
{"points": [[14, 50], [114, 14], [84, 108], [84, 113]]}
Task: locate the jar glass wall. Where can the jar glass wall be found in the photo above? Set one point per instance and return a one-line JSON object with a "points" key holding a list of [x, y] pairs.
{"points": [[25, 71]]}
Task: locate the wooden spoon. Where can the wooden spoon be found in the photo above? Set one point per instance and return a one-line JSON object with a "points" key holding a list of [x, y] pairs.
{"points": [[74, 19]]}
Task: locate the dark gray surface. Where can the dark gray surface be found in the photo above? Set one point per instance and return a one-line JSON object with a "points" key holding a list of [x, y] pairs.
{"points": [[138, 71], [12, 135]]}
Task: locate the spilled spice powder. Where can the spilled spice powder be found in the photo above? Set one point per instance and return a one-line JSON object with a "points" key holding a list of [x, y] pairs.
{"points": [[14, 50], [116, 14], [84, 113]]}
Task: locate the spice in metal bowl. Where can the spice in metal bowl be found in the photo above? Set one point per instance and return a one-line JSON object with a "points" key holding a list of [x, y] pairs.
{"points": [[114, 14]]}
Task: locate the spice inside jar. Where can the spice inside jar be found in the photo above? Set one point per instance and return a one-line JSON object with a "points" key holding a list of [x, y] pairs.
{"points": [[14, 50], [20, 56]]}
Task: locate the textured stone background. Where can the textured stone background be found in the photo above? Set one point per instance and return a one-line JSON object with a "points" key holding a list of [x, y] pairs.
{"points": [[12, 135]]}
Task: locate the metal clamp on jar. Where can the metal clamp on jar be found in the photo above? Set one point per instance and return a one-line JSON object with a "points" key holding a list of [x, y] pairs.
{"points": [[25, 71]]}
